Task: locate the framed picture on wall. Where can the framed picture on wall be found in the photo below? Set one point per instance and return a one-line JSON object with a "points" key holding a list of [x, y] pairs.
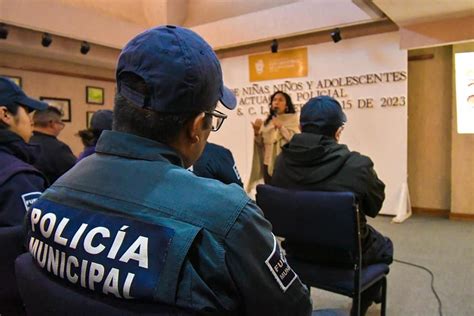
{"points": [[89, 115], [95, 95], [15, 79], [63, 105]]}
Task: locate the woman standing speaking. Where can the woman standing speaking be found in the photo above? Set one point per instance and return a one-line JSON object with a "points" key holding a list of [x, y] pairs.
{"points": [[270, 135]]}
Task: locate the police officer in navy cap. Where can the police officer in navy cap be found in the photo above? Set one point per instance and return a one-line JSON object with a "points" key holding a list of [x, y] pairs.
{"points": [[131, 222], [217, 162], [20, 182]]}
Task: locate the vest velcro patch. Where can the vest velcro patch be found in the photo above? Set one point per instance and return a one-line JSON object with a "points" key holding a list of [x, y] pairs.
{"points": [[279, 267], [30, 198]]}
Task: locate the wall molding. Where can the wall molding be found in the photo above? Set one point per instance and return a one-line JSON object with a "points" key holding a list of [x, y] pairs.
{"points": [[461, 216], [420, 57], [431, 212], [59, 73]]}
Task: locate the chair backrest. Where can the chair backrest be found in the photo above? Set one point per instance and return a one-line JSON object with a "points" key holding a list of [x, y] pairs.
{"points": [[11, 245], [326, 218], [43, 295]]}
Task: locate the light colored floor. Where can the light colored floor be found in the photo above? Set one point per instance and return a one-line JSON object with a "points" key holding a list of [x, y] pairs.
{"points": [[441, 245]]}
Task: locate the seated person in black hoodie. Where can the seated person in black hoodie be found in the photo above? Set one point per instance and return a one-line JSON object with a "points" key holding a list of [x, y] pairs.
{"points": [[314, 160]]}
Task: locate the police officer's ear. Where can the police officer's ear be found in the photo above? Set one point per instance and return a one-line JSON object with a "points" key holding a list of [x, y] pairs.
{"points": [[6, 116], [196, 128]]}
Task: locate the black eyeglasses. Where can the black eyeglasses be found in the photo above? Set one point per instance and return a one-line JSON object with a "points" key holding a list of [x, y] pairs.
{"points": [[217, 119]]}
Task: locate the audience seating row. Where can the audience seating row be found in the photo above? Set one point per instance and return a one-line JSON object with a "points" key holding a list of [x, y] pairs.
{"points": [[331, 218]]}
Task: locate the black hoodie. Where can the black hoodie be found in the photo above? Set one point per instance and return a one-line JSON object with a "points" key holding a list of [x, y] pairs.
{"points": [[318, 163]]}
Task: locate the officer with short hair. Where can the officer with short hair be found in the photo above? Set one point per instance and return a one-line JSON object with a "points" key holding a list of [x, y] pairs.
{"points": [[56, 157], [131, 222], [20, 183]]}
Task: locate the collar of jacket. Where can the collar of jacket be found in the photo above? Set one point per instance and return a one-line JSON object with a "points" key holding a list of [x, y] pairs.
{"points": [[37, 133], [135, 147], [13, 144]]}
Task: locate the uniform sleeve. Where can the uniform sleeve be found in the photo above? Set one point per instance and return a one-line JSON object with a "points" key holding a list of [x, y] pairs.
{"points": [[372, 201], [67, 161], [16, 194], [227, 170], [253, 259]]}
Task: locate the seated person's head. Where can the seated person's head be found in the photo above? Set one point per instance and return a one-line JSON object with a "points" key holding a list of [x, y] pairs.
{"points": [[322, 115], [49, 121], [15, 107], [168, 83], [100, 121]]}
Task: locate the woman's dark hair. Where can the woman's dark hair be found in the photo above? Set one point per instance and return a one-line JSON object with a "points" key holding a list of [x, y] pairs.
{"points": [[290, 107], [144, 122], [88, 137]]}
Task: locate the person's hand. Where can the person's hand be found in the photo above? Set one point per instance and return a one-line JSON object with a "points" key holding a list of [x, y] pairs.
{"points": [[257, 124], [277, 122]]}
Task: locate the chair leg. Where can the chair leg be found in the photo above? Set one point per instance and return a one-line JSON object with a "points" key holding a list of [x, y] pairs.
{"points": [[384, 297], [355, 310]]}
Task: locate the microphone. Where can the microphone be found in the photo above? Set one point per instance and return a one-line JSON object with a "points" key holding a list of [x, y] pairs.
{"points": [[273, 113]]}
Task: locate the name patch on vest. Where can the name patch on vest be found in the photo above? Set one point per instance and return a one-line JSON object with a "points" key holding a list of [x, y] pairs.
{"points": [[102, 252], [279, 267]]}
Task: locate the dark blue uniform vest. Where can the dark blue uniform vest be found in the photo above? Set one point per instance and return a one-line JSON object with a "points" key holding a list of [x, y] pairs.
{"points": [[131, 222]]}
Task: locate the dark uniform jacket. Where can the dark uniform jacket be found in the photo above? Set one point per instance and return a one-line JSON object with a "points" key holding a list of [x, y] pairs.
{"points": [[319, 163], [217, 162], [56, 157], [20, 182], [131, 222]]}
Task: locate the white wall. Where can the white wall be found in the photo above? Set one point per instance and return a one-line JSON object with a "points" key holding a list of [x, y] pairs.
{"points": [[378, 132]]}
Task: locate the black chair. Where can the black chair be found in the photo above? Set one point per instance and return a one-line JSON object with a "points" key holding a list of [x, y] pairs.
{"points": [[44, 295], [11, 246], [329, 219]]}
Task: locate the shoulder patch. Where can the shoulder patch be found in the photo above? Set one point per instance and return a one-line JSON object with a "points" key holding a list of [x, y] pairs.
{"points": [[30, 198], [280, 268]]}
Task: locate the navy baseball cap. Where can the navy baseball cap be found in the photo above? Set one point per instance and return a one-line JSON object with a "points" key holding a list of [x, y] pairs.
{"points": [[322, 111], [12, 96], [102, 120], [180, 69]]}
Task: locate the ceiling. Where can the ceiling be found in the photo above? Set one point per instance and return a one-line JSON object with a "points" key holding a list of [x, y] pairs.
{"points": [[404, 12], [191, 13], [223, 23]]}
